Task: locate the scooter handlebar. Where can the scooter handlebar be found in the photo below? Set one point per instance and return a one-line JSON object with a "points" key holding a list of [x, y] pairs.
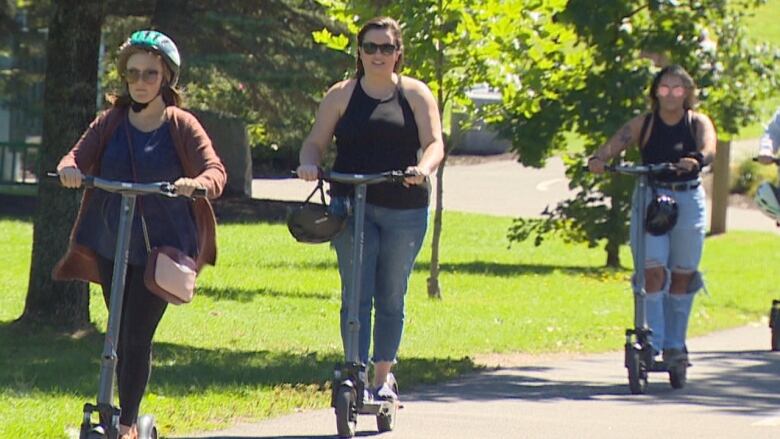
{"points": [[775, 160], [630, 169], [381, 177], [395, 176], [165, 188]]}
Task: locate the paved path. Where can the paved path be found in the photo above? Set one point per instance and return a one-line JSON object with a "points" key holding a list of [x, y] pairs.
{"points": [[733, 392]]}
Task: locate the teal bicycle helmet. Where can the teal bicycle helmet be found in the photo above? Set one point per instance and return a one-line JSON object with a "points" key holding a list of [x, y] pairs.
{"points": [[157, 42]]}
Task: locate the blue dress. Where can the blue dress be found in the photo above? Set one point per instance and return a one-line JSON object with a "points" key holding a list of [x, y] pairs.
{"points": [[170, 221]]}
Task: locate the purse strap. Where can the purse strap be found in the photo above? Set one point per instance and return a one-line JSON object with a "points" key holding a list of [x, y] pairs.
{"points": [[320, 187], [135, 178]]}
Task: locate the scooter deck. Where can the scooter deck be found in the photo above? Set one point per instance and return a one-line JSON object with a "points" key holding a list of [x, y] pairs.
{"points": [[661, 366], [376, 407]]}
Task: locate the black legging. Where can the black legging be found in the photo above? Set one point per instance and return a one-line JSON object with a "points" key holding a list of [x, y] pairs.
{"points": [[141, 312]]}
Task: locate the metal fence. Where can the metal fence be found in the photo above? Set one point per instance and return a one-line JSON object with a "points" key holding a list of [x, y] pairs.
{"points": [[18, 163]]}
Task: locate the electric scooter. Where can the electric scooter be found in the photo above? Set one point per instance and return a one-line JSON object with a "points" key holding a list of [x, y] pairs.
{"points": [[350, 379], [639, 350], [108, 414], [774, 312]]}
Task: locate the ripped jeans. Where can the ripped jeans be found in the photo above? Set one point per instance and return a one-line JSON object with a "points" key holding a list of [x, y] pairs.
{"points": [[678, 251], [392, 240]]}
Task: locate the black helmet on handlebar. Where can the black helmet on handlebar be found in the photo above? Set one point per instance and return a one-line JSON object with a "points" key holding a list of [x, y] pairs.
{"points": [[661, 215], [312, 223]]}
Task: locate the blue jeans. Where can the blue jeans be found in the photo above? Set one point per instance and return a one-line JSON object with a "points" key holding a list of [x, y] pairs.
{"points": [[680, 251], [392, 240]]}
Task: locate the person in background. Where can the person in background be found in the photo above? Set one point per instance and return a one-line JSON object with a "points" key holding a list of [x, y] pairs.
{"points": [[671, 132]]}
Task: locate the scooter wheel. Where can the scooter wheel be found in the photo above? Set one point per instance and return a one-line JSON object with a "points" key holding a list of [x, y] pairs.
{"points": [[91, 433], [678, 375], [386, 421], [346, 411], [774, 323], [85, 432], [637, 373], [146, 427]]}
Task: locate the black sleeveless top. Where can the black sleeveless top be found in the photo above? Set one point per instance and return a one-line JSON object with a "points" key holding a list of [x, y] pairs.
{"points": [[374, 136], [670, 143]]}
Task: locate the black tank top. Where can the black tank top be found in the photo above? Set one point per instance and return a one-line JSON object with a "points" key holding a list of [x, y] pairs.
{"points": [[670, 143], [374, 136]]}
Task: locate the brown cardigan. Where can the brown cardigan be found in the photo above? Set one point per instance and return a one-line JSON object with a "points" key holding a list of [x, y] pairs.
{"points": [[199, 161]]}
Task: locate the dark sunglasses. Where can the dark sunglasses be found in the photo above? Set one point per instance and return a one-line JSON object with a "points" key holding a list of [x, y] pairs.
{"points": [[677, 91], [371, 48], [149, 76]]}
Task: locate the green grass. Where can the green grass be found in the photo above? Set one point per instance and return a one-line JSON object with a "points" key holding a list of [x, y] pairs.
{"points": [[261, 337], [762, 25]]}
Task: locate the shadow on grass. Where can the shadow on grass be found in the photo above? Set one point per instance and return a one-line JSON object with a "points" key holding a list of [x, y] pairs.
{"points": [[17, 207], [247, 295], [239, 210], [485, 268], [499, 269], [228, 210], [53, 363]]}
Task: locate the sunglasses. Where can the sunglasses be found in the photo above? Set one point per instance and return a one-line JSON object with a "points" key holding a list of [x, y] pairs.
{"points": [[149, 76], [677, 91], [371, 48]]}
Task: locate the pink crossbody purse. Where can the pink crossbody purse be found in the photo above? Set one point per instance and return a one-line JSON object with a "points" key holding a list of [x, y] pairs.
{"points": [[170, 273]]}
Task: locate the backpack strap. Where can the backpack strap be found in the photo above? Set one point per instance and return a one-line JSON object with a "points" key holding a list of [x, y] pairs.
{"points": [[693, 127], [645, 125]]}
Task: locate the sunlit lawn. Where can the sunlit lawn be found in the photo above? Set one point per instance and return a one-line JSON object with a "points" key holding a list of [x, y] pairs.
{"points": [[262, 335]]}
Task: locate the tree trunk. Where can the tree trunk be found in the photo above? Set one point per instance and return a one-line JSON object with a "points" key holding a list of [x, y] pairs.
{"points": [[7, 13], [613, 253], [124, 8], [434, 290], [69, 107], [172, 18]]}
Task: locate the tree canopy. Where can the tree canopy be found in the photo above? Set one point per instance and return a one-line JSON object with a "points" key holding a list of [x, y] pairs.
{"points": [[627, 41]]}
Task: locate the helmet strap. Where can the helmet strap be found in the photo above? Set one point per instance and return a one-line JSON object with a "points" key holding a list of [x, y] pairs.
{"points": [[137, 107]]}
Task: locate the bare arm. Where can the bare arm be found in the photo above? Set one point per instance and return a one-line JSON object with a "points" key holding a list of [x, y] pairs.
{"points": [[621, 140], [426, 115], [707, 138], [330, 111]]}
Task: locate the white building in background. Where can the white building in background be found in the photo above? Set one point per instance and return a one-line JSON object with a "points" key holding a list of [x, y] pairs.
{"points": [[19, 125], [8, 170]]}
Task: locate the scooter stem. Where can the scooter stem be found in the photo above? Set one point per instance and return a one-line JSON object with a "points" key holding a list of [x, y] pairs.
{"points": [[109, 358], [640, 293], [353, 323]]}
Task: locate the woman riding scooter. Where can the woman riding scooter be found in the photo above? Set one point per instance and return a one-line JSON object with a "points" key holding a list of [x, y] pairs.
{"points": [[143, 137], [671, 132]]}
